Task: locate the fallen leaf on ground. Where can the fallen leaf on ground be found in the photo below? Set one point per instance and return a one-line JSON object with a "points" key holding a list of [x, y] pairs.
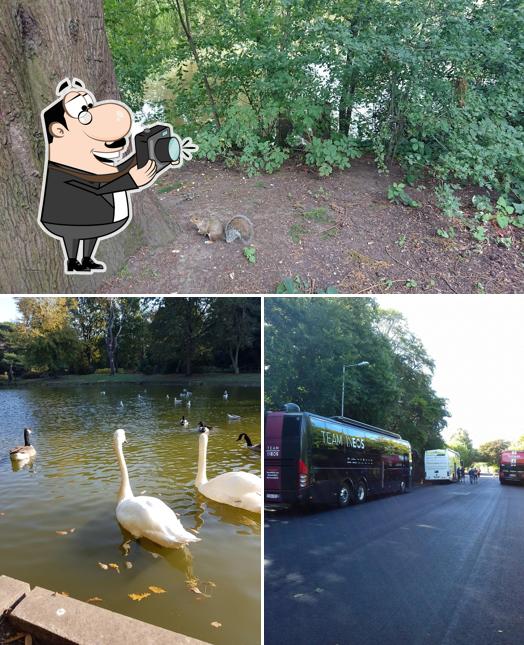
{"points": [[61, 532], [94, 599], [114, 566], [216, 624], [129, 565], [156, 589], [138, 596], [103, 566]]}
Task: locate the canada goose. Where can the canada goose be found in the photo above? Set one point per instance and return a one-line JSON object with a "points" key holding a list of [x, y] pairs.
{"points": [[145, 516], [233, 417], [21, 453], [236, 488], [184, 422], [225, 396], [249, 444]]}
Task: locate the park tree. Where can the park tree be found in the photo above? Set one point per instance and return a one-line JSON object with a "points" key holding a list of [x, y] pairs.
{"points": [[42, 42], [46, 336], [235, 326], [462, 443], [490, 451], [309, 340], [518, 444]]}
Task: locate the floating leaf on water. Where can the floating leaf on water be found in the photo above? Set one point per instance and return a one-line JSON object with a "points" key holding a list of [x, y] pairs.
{"points": [[114, 566], [62, 532], [138, 596], [209, 583], [129, 565], [216, 624], [156, 589], [94, 599], [103, 566], [319, 590]]}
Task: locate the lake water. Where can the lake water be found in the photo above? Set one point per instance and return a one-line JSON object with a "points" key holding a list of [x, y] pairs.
{"points": [[73, 484]]}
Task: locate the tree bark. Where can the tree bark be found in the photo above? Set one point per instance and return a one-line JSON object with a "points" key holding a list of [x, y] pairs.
{"points": [[42, 42]]}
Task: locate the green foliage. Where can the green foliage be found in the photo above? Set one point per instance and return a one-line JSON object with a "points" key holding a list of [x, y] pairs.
{"points": [[461, 442], [490, 451], [433, 85], [447, 233], [250, 253], [300, 285], [326, 154], [447, 201], [309, 339], [398, 195], [70, 335]]}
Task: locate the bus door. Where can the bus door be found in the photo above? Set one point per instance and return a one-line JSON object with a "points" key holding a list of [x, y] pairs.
{"points": [[283, 465]]}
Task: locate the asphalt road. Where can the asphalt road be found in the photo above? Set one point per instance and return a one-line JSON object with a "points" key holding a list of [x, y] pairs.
{"points": [[440, 565]]}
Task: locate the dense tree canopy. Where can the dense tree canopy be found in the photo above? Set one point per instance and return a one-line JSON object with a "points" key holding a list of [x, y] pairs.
{"points": [[490, 451], [309, 340], [80, 335], [435, 85]]}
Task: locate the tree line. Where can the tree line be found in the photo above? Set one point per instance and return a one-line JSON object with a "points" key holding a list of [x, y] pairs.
{"points": [[307, 342], [488, 452], [434, 85], [151, 335]]}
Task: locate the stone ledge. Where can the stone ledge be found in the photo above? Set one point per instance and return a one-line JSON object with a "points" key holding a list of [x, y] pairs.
{"points": [[59, 620], [11, 592]]}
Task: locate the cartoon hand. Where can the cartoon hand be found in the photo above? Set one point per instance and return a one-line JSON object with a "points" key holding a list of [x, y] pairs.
{"points": [[142, 176]]}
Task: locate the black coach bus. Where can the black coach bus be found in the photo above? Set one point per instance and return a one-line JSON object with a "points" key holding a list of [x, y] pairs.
{"points": [[315, 459]]}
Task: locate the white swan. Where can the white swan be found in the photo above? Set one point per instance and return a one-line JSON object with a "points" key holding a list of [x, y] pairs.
{"points": [[240, 489], [145, 516], [233, 417], [25, 452]]}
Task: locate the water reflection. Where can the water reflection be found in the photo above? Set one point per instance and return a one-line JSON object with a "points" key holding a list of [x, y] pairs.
{"points": [[73, 484]]}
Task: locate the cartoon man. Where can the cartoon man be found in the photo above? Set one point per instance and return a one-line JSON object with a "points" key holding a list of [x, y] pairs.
{"points": [[84, 192]]}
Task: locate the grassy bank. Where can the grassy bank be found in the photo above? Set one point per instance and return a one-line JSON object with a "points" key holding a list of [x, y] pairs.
{"points": [[224, 379]]}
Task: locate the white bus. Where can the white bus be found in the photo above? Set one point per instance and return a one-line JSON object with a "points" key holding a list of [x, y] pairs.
{"points": [[441, 465]]}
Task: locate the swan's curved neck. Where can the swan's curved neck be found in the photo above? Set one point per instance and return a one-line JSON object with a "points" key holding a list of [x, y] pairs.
{"points": [[201, 477], [125, 487], [27, 442]]}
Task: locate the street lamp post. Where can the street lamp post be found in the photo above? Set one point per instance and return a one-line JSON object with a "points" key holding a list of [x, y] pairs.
{"points": [[361, 364]]}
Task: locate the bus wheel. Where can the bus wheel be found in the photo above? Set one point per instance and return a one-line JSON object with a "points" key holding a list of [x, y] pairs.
{"points": [[361, 493], [344, 495]]}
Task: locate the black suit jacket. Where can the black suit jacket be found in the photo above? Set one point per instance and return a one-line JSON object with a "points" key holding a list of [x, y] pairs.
{"points": [[75, 197]]}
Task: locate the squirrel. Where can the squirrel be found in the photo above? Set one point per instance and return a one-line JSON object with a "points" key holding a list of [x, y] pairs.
{"points": [[239, 227]]}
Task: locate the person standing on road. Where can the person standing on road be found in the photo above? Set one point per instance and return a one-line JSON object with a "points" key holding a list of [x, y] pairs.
{"points": [[471, 474]]}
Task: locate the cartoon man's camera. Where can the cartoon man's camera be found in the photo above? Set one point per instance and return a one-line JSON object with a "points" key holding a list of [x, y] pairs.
{"points": [[84, 192]]}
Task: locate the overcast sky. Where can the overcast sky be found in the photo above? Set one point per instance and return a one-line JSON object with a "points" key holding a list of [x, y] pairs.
{"points": [[477, 343], [8, 310]]}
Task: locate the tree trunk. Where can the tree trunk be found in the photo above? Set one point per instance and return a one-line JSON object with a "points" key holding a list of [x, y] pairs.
{"points": [[42, 42]]}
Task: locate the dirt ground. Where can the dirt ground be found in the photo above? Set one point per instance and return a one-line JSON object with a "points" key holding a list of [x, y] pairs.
{"points": [[339, 232]]}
